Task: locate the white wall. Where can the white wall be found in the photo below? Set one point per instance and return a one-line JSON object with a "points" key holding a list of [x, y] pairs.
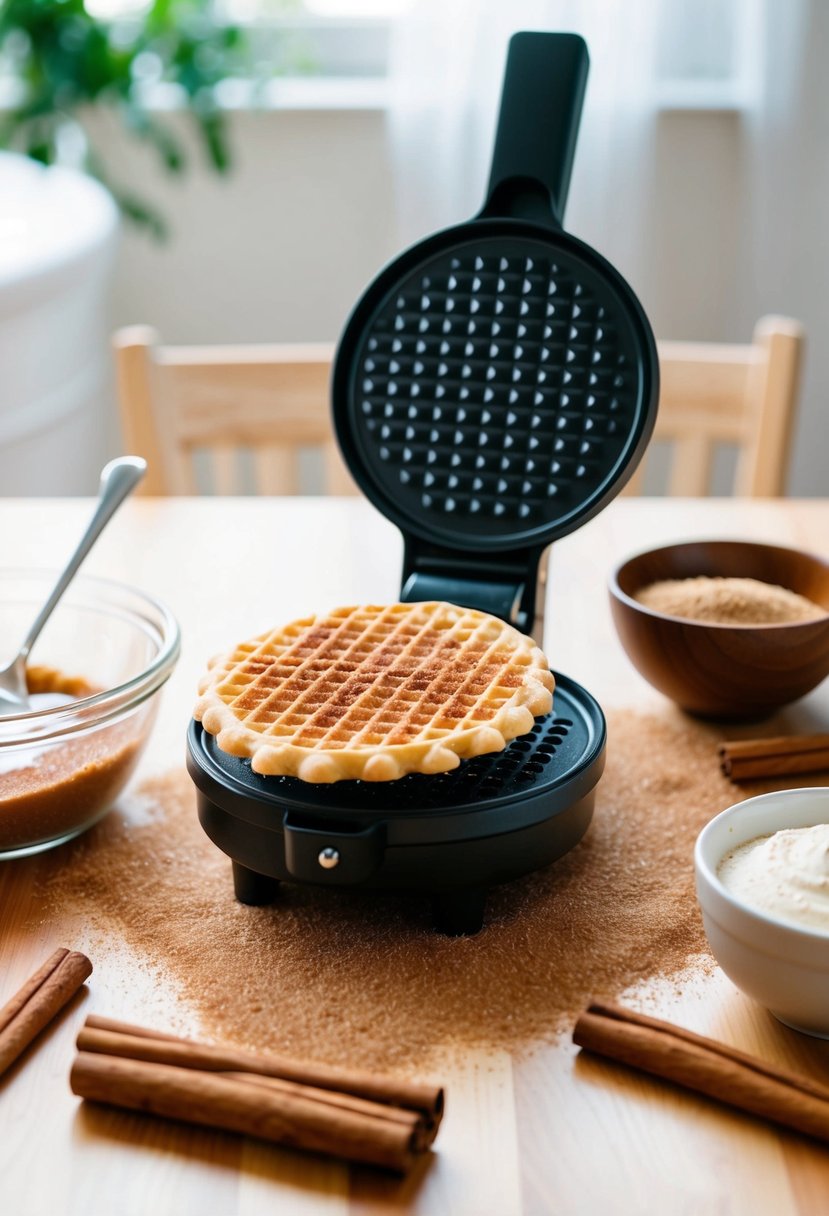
{"points": [[281, 249]]}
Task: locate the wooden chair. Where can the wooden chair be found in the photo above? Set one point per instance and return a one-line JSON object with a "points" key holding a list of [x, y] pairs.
{"points": [[237, 418], [745, 396]]}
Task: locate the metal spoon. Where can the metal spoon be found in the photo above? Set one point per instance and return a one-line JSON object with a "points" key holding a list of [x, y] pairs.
{"points": [[118, 479]]}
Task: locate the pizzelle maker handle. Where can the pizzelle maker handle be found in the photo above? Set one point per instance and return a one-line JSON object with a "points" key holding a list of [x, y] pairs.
{"points": [[538, 124]]}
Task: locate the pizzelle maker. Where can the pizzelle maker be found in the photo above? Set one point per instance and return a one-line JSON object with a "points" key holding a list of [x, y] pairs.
{"points": [[493, 389]]}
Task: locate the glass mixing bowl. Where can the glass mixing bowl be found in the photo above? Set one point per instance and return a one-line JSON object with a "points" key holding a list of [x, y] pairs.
{"points": [[95, 674]]}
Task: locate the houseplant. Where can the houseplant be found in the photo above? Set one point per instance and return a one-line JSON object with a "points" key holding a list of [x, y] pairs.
{"points": [[62, 57]]}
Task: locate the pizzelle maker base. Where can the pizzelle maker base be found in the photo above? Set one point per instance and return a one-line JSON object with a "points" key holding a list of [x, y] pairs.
{"points": [[493, 389], [452, 834]]}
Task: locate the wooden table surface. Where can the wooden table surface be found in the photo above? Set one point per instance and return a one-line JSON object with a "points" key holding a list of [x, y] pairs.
{"points": [[551, 1135]]}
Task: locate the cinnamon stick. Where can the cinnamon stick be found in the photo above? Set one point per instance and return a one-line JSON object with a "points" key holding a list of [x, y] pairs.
{"points": [[218, 1100], [35, 1004], [105, 1035], [706, 1066], [155, 1050], [379, 1120], [749, 759], [411, 1119]]}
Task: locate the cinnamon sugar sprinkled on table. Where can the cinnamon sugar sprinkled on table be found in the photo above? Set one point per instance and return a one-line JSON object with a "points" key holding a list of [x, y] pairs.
{"points": [[360, 978]]}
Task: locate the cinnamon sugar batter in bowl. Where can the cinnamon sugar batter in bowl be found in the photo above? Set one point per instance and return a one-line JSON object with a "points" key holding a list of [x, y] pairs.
{"points": [[104, 657]]}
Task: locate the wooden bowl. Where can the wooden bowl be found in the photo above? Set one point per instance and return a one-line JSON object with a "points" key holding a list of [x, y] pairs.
{"points": [[724, 671]]}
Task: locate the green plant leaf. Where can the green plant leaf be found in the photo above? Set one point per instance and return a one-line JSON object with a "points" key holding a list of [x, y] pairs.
{"points": [[66, 60]]}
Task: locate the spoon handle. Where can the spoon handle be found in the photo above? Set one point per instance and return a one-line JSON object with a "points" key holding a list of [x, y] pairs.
{"points": [[118, 479]]}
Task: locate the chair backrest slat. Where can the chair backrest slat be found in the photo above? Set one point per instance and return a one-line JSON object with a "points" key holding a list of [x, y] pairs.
{"points": [[275, 471], [691, 468], [182, 404], [739, 396]]}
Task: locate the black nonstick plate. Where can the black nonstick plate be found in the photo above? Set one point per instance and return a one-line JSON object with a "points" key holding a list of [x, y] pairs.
{"points": [[496, 385]]}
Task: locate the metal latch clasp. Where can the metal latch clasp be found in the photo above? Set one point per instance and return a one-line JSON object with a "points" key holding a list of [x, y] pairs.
{"points": [[332, 855]]}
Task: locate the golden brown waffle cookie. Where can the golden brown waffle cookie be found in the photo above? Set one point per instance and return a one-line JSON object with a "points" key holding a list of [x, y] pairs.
{"points": [[372, 693]]}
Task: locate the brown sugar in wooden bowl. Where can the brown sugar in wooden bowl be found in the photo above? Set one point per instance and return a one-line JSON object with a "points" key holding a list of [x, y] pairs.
{"points": [[729, 671]]}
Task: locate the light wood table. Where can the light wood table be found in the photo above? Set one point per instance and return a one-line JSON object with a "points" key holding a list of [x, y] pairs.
{"points": [[548, 1136]]}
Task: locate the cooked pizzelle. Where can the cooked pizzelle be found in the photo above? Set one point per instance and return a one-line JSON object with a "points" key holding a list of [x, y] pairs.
{"points": [[372, 693]]}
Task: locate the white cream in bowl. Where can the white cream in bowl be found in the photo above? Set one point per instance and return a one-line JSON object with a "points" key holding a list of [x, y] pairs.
{"points": [[778, 960], [785, 875]]}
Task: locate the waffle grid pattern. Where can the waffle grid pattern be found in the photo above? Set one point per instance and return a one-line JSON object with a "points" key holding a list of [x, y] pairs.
{"points": [[523, 763], [376, 692], [496, 388], [547, 750]]}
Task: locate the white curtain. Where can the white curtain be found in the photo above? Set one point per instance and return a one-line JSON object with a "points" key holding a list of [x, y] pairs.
{"points": [[784, 169], [783, 251], [448, 60]]}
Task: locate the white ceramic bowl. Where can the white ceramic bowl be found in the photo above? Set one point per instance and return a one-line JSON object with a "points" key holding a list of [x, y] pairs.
{"points": [[784, 967]]}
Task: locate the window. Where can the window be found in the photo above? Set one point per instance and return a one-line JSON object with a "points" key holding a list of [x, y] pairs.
{"points": [[330, 38], [708, 54]]}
